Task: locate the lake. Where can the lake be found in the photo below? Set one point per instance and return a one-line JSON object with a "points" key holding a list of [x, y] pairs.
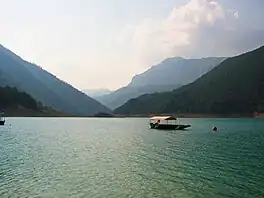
{"points": [[100, 157]]}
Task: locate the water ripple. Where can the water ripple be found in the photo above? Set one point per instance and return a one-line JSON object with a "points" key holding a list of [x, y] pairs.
{"points": [[123, 158]]}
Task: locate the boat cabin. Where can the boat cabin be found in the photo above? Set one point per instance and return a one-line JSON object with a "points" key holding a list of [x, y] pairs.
{"points": [[166, 122], [164, 119]]}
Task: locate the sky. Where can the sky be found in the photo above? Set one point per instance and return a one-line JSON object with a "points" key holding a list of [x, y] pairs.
{"points": [[103, 43]]}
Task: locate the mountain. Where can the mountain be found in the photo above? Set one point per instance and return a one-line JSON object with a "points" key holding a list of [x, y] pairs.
{"points": [[12, 97], [16, 103], [94, 93], [122, 95], [176, 71], [166, 76], [44, 86], [235, 86]]}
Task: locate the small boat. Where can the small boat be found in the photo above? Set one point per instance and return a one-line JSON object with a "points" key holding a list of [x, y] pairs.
{"points": [[166, 123], [2, 119]]}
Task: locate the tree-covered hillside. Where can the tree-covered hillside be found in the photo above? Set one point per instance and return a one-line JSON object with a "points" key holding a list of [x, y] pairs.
{"points": [[11, 97], [16, 103]]}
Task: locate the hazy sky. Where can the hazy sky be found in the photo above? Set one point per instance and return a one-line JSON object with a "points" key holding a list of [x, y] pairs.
{"points": [[103, 43]]}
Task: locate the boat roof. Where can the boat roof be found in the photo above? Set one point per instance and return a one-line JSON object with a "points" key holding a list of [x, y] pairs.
{"points": [[163, 118]]}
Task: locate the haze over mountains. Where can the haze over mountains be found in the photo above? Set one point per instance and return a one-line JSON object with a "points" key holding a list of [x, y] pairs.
{"points": [[44, 86], [170, 74], [236, 86], [206, 86], [94, 93]]}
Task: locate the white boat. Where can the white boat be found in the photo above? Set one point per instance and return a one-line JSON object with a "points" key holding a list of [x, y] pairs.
{"points": [[2, 118], [166, 122]]}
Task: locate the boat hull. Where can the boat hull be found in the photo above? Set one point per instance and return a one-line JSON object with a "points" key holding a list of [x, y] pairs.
{"points": [[169, 126], [2, 122]]}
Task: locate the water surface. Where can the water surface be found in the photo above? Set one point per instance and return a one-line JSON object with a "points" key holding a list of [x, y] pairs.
{"points": [[90, 157]]}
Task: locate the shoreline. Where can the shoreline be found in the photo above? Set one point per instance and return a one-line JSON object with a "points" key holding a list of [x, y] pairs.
{"points": [[197, 115], [261, 115]]}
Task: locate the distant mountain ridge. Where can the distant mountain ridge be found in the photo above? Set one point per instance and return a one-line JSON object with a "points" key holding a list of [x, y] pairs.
{"points": [[233, 87], [45, 87], [170, 74], [177, 71], [119, 97], [93, 93]]}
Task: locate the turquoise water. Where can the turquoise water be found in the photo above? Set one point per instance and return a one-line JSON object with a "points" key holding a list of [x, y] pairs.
{"points": [[89, 157]]}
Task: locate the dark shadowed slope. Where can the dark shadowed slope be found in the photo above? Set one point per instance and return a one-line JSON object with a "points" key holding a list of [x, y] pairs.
{"points": [[166, 76], [235, 86], [45, 87], [15, 103], [11, 97]]}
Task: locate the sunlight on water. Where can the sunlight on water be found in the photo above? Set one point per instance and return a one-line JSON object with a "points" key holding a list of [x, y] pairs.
{"points": [[70, 157]]}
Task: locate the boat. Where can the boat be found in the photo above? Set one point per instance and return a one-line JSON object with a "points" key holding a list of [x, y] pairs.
{"points": [[2, 119], [166, 123]]}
